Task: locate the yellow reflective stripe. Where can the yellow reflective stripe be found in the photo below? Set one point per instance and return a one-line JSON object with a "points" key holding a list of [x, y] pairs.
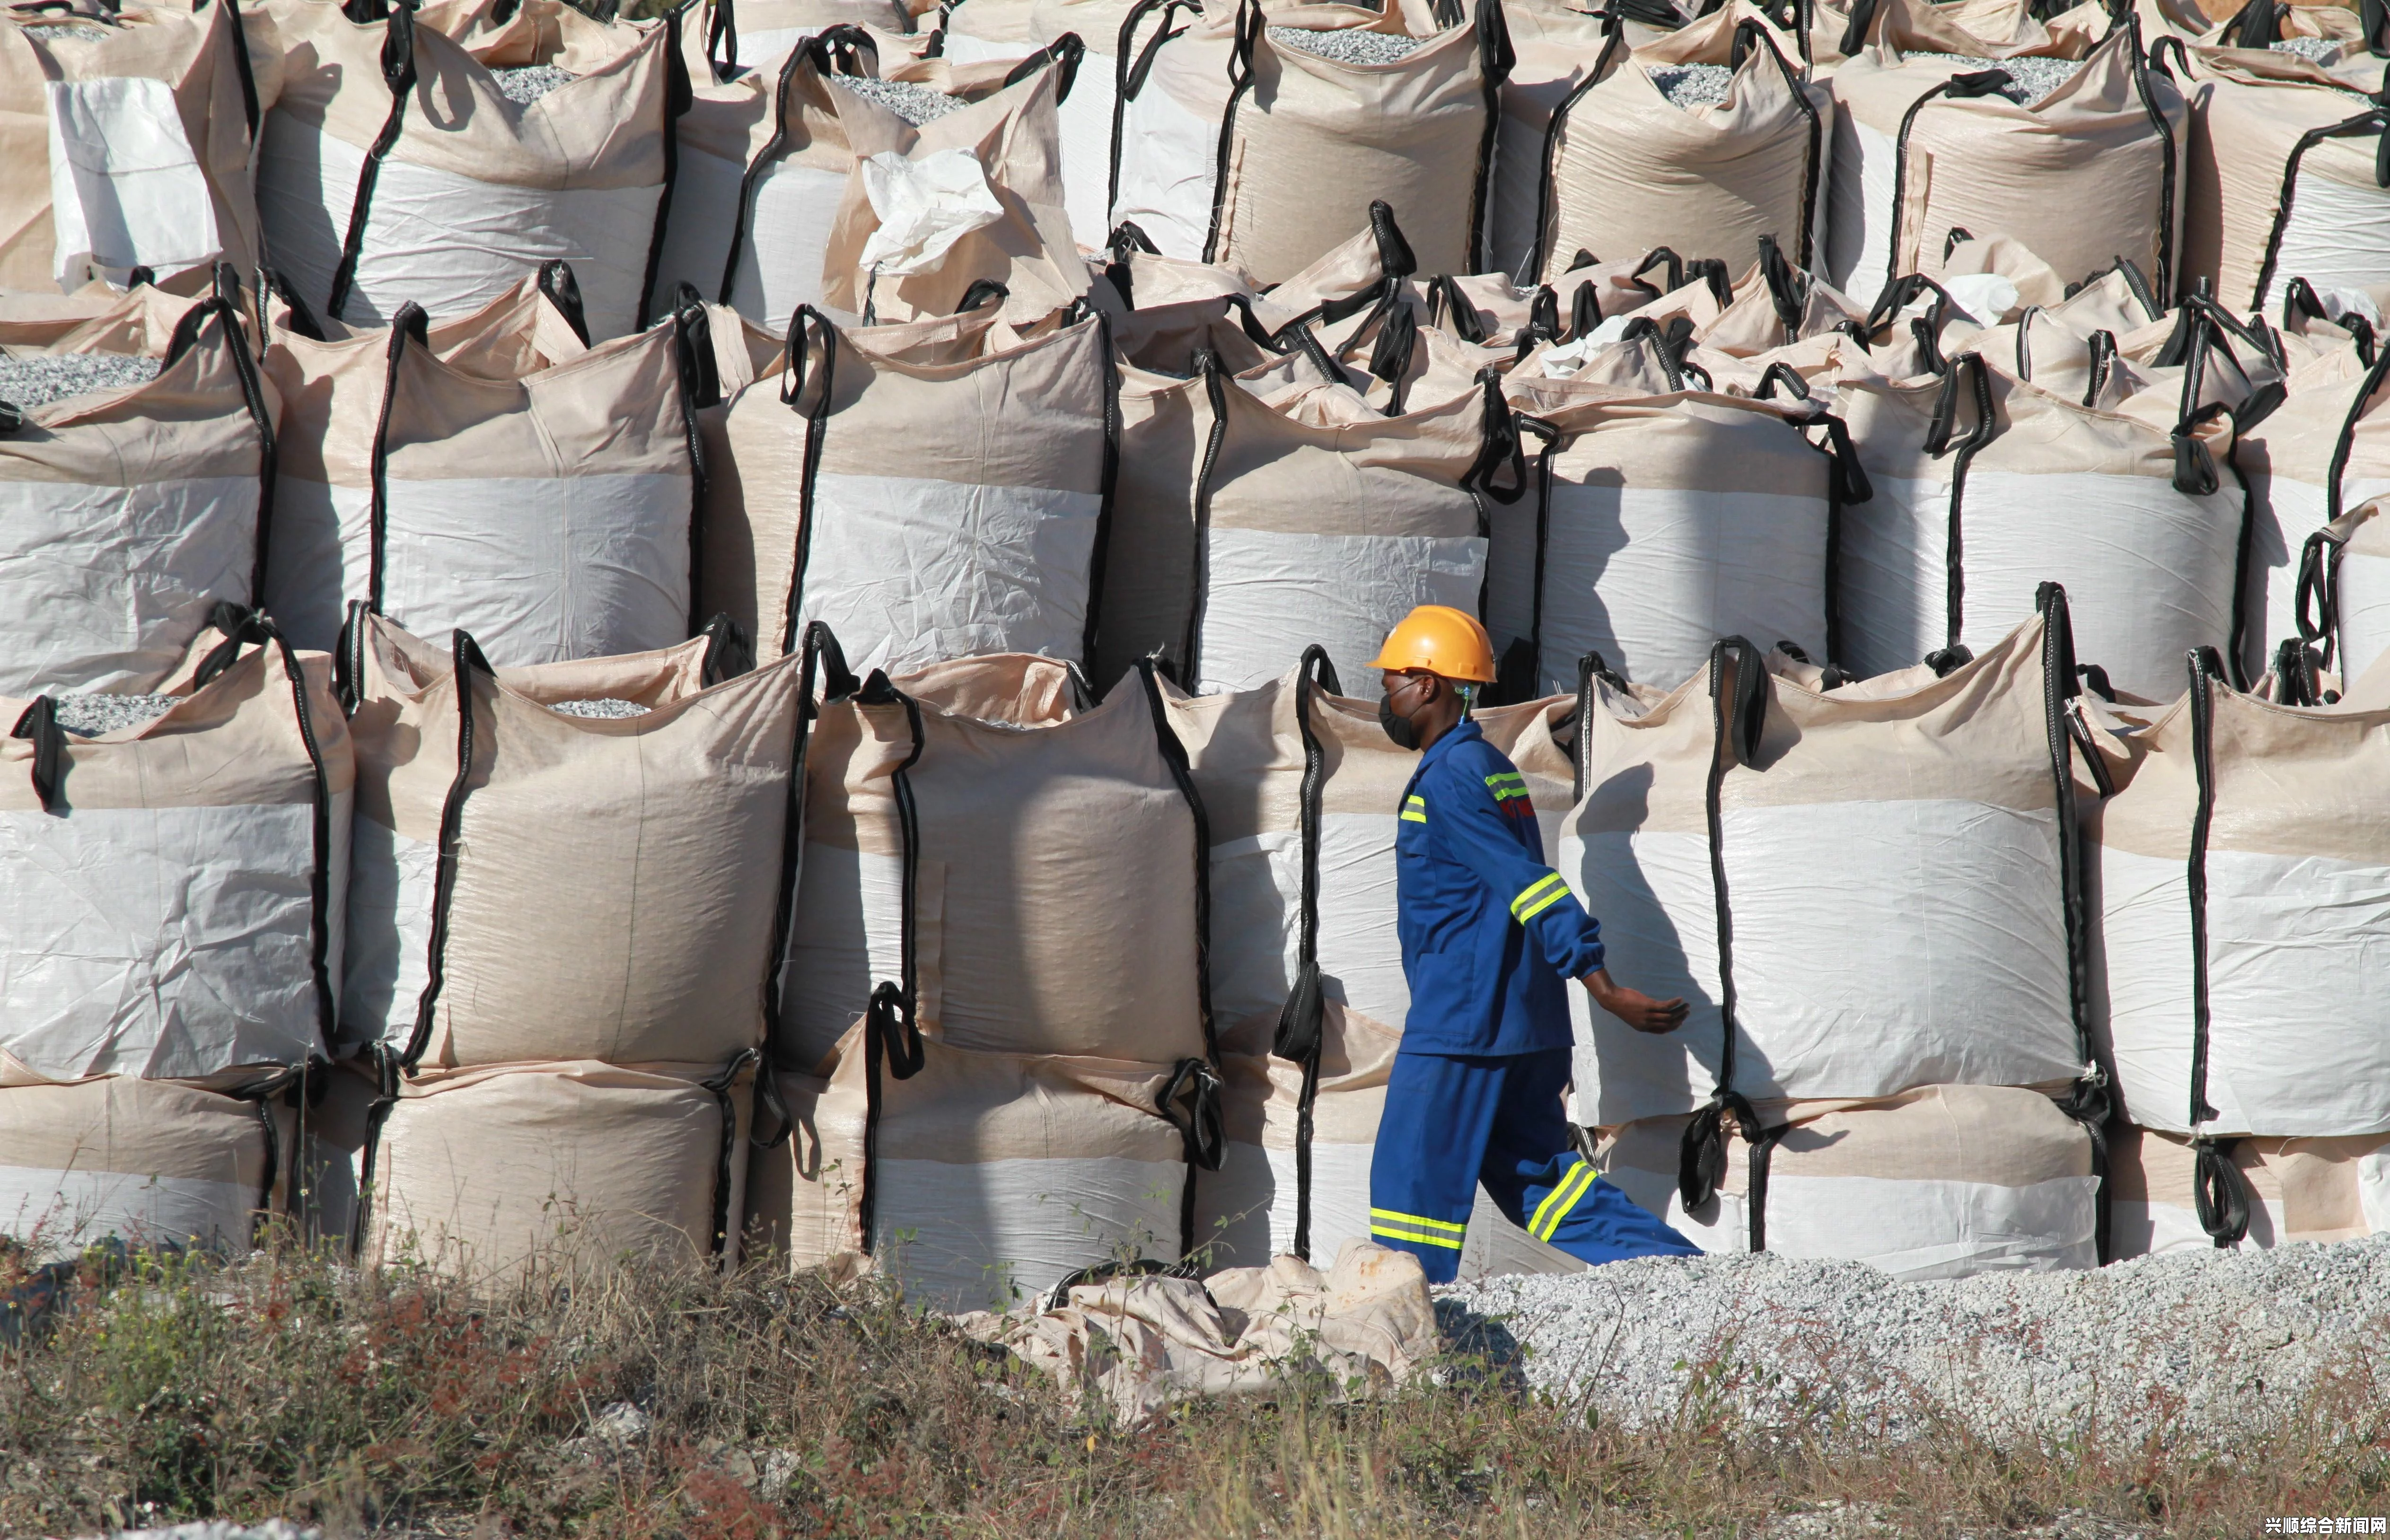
{"points": [[1541, 894], [1500, 777], [1415, 810], [1559, 1200], [1449, 1242], [1507, 785], [1419, 1221]]}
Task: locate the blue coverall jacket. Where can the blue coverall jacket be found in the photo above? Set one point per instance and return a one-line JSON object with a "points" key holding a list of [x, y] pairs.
{"points": [[1490, 934]]}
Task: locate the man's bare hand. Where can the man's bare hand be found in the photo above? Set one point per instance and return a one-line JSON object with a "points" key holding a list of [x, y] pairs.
{"points": [[1633, 1007]]}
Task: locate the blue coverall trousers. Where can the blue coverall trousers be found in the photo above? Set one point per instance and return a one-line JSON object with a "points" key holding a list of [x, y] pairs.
{"points": [[1453, 1121]]}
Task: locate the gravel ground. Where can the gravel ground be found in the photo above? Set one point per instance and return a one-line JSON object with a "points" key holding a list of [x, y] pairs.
{"points": [[1691, 85], [2034, 78], [93, 714], [39, 378], [531, 82], [2203, 1346], [914, 104], [2324, 50], [218, 1529], [1345, 45], [601, 706]]}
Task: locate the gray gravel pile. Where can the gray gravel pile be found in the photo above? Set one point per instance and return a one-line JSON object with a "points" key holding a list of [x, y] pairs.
{"points": [[91, 715], [1345, 45], [604, 706], [37, 379], [2031, 77], [531, 81], [914, 104], [2324, 50], [75, 32], [1691, 85], [2209, 1345]]}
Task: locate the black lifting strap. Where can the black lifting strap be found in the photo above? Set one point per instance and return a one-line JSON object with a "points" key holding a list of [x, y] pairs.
{"points": [[1738, 694], [1190, 1103], [891, 1034], [1302, 1020], [2217, 1191], [721, 1083]]}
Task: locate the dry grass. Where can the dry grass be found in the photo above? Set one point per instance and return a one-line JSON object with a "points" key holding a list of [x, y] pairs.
{"points": [[399, 1403]]}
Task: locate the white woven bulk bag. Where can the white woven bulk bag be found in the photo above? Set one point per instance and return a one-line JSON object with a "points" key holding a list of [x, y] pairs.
{"points": [[2242, 872], [653, 835], [1240, 143], [756, 36], [2284, 176], [505, 1173], [131, 512], [130, 150], [1332, 530], [1925, 146], [395, 169], [554, 515], [1661, 522], [1086, 118], [985, 533], [1300, 787], [145, 1162], [1624, 169], [1943, 807], [979, 1180], [1012, 873], [332, 380], [2287, 1190], [1941, 1182], [170, 890]]}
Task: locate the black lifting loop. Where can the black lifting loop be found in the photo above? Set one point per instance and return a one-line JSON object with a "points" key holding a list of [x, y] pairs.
{"points": [[728, 651], [1064, 52], [1701, 1154], [564, 292], [1190, 1100], [1763, 1142], [2217, 1191], [2317, 596], [1299, 1022], [39, 723]]}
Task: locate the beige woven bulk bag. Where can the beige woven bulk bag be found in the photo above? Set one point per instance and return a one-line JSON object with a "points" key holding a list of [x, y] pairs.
{"points": [[395, 169], [978, 1179], [2289, 1190], [2287, 460], [2346, 579], [998, 502], [149, 1162], [1237, 145], [2283, 178], [1943, 807], [1556, 47], [500, 1174], [1925, 146], [554, 515], [1300, 787], [333, 386], [1625, 169], [1086, 119], [130, 513], [2242, 872], [653, 838], [171, 893], [1661, 522], [1941, 1182], [82, 199], [744, 36], [1013, 874]]}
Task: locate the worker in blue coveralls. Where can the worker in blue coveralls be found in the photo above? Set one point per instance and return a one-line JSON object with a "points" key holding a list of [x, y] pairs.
{"points": [[1490, 935]]}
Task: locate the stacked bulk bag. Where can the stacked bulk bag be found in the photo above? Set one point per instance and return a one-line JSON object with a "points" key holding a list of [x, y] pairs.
{"points": [[149, 1162], [129, 152], [171, 896], [931, 489], [1924, 146], [499, 1172], [1941, 1182], [1942, 806], [133, 511], [1239, 143], [1624, 169], [394, 168], [1086, 119], [332, 380], [995, 991], [554, 514], [1661, 522], [1300, 787], [2293, 463], [1987, 485], [2291, 1189], [2285, 178], [505, 838], [2241, 874], [1555, 47], [2346, 578]]}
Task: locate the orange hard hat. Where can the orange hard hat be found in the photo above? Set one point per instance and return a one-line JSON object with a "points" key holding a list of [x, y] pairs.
{"points": [[1441, 640]]}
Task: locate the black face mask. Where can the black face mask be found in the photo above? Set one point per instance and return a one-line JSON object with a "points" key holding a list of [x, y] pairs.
{"points": [[1398, 728]]}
